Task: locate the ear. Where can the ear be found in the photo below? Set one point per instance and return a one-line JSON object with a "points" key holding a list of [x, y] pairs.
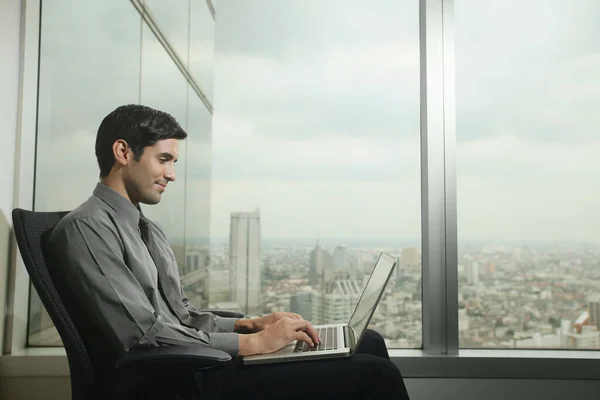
{"points": [[122, 152]]}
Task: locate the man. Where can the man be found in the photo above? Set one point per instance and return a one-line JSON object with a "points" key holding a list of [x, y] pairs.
{"points": [[120, 269]]}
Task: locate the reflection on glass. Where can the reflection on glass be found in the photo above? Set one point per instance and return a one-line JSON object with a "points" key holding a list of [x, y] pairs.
{"points": [[83, 76], [88, 67], [197, 227], [527, 123], [316, 146], [202, 46], [172, 18], [164, 88]]}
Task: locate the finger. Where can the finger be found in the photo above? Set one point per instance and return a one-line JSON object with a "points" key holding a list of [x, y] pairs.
{"points": [[298, 324], [306, 327], [301, 335], [294, 315], [313, 334]]}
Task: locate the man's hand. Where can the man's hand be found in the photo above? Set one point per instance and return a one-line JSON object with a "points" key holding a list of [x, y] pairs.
{"points": [[277, 335], [258, 324], [268, 320]]}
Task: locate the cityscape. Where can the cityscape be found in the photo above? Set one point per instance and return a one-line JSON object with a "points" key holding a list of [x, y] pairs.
{"points": [[511, 295]]}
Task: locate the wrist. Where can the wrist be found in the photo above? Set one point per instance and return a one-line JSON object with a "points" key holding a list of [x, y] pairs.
{"points": [[249, 345]]}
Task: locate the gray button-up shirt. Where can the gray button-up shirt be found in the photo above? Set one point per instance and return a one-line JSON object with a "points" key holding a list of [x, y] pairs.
{"points": [[117, 278]]}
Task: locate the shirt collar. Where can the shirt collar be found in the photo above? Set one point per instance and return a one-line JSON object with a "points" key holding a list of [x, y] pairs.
{"points": [[118, 203]]}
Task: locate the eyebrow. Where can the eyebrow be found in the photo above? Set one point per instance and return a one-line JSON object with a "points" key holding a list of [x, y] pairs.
{"points": [[168, 156]]}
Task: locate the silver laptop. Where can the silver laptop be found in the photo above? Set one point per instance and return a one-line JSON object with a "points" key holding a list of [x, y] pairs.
{"points": [[338, 340]]}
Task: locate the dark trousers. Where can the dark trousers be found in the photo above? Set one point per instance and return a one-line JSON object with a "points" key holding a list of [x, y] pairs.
{"points": [[368, 374]]}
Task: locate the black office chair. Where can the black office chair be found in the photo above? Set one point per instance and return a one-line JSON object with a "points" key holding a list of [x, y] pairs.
{"points": [[172, 372]]}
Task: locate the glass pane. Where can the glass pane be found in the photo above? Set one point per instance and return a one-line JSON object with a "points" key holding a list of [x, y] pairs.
{"points": [[198, 184], [165, 88], [528, 95], [172, 18], [316, 163], [88, 66], [202, 46]]}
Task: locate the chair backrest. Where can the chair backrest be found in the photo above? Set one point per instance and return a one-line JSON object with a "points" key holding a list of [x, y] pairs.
{"points": [[31, 230]]}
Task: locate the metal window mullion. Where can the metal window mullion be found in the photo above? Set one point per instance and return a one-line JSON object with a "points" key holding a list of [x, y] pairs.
{"points": [[452, 332], [147, 16], [211, 8], [18, 298], [438, 202]]}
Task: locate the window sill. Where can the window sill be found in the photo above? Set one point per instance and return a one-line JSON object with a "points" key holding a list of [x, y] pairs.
{"points": [[472, 364], [38, 361], [500, 364]]}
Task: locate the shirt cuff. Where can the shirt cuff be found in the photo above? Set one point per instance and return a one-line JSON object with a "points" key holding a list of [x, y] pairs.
{"points": [[228, 342], [225, 324]]}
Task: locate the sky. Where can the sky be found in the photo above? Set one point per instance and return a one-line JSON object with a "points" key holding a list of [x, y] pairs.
{"points": [[317, 118], [316, 114]]}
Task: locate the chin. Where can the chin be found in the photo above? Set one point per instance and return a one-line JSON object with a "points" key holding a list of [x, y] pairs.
{"points": [[151, 200]]}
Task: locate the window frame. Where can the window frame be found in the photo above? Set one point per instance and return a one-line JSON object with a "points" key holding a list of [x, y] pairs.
{"points": [[440, 356]]}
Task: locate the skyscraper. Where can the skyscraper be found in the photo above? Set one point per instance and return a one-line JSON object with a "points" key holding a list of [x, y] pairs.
{"points": [[410, 259], [302, 303], [473, 273], [594, 309], [245, 261], [341, 261], [336, 304], [319, 265]]}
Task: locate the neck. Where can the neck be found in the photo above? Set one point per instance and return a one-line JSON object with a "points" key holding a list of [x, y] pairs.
{"points": [[117, 185]]}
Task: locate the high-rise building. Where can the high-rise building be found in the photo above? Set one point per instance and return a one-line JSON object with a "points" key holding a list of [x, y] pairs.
{"points": [[410, 259], [473, 273], [594, 309], [341, 261], [302, 303], [337, 302], [417, 295], [245, 260], [195, 259], [319, 264]]}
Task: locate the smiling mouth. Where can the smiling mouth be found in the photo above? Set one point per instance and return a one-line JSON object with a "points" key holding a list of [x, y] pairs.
{"points": [[162, 186]]}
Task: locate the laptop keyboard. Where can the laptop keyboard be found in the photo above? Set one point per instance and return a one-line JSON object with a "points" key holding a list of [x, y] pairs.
{"points": [[329, 341]]}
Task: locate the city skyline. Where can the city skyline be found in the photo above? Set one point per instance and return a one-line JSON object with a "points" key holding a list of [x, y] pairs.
{"points": [[517, 298]]}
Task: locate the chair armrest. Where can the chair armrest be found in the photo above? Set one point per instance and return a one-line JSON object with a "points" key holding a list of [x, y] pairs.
{"points": [[224, 313], [173, 357]]}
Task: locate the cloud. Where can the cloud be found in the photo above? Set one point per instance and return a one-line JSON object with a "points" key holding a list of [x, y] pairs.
{"points": [[357, 90], [317, 115], [241, 152], [535, 79], [292, 209], [303, 99]]}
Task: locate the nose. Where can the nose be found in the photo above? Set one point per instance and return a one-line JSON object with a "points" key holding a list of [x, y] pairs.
{"points": [[170, 174]]}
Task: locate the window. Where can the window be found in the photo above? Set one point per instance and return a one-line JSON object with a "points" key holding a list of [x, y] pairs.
{"points": [[316, 159], [164, 88], [198, 203], [173, 18], [89, 64], [527, 87], [83, 76], [202, 46]]}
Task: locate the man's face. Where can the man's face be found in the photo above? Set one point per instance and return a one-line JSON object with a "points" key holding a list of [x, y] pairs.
{"points": [[145, 180]]}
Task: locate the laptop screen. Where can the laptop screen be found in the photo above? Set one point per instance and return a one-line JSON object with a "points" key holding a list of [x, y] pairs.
{"points": [[371, 295]]}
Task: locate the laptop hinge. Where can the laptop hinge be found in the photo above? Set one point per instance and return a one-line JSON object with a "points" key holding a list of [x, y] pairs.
{"points": [[349, 339]]}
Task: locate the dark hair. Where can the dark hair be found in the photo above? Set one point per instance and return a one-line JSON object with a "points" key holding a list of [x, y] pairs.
{"points": [[139, 126]]}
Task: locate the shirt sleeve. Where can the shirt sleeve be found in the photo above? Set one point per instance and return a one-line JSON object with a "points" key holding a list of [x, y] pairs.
{"points": [[92, 257], [223, 324]]}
